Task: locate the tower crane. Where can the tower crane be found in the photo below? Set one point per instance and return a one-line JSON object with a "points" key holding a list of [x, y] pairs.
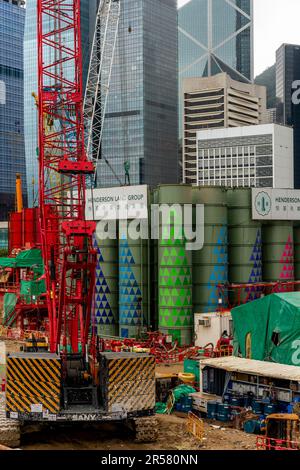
{"points": [[73, 381]]}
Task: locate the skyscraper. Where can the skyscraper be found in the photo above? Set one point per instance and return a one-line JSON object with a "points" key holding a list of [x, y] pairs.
{"points": [[216, 102], [215, 36], [88, 15], [141, 120], [288, 71], [12, 158]]}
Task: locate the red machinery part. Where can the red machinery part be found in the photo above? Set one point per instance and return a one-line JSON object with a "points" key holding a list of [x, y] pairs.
{"points": [[267, 443], [70, 260]]}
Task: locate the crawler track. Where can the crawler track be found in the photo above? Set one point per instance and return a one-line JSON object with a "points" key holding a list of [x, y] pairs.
{"points": [[10, 433], [146, 429]]}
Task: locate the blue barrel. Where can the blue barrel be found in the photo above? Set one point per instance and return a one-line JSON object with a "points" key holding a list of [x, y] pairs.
{"points": [[235, 401], [270, 408], [248, 400], [257, 407], [227, 398], [252, 426], [212, 407], [290, 408], [186, 404], [223, 412]]}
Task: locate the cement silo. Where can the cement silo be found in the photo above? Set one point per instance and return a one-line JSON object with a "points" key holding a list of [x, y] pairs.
{"points": [[133, 284], [174, 265], [244, 244], [278, 251], [106, 301], [210, 264], [297, 252]]}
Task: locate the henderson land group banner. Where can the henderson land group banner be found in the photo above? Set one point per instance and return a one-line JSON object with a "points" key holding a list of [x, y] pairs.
{"points": [[126, 202], [275, 204]]}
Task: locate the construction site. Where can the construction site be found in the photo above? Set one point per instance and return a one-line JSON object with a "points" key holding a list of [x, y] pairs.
{"points": [[138, 317]]}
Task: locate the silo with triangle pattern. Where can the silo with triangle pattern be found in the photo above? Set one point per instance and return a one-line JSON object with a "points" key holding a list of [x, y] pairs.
{"points": [[244, 245], [278, 252], [106, 300], [297, 252], [175, 305], [133, 285], [210, 264]]}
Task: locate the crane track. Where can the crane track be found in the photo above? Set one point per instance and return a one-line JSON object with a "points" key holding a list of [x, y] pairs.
{"points": [[146, 429], [10, 432]]}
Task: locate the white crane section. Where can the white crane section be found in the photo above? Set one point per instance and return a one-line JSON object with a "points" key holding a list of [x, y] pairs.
{"points": [[99, 75]]}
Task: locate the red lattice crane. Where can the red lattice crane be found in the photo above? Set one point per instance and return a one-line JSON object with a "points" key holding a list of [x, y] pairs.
{"points": [[70, 385], [68, 254]]}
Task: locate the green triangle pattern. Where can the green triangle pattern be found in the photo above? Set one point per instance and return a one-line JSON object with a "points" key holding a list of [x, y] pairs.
{"points": [[172, 317], [174, 256], [178, 277]]}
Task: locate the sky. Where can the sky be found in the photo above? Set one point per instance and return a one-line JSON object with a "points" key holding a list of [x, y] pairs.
{"points": [[275, 22]]}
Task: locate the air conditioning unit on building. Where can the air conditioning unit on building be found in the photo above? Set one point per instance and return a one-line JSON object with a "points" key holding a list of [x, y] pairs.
{"points": [[205, 322]]}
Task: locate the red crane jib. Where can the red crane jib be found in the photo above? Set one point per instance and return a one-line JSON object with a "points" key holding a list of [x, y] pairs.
{"points": [[69, 257]]}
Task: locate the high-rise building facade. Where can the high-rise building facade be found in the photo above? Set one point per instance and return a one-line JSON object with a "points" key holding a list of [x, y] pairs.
{"points": [[216, 102], [215, 36], [141, 121], [12, 157], [287, 112], [88, 17], [242, 157]]}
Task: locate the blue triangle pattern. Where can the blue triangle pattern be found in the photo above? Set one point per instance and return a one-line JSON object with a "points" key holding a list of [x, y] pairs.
{"points": [[256, 271], [130, 310], [102, 308]]}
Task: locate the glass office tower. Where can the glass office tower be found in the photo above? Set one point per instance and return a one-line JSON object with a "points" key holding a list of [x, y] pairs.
{"points": [[288, 71], [12, 157], [141, 116], [215, 36], [88, 16]]}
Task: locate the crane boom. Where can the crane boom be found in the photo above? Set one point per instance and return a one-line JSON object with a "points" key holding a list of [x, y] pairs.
{"points": [[66, 236], [99, 76]]}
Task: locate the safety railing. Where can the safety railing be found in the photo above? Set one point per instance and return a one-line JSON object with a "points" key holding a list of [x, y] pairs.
{"points": [[268, 443], [16, 334], [195, 426]]}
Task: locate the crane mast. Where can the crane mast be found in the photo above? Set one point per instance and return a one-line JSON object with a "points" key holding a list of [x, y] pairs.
{"points": [[66, 236]]}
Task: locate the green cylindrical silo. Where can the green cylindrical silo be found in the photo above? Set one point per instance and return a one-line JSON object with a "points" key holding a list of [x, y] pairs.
{"points": [[174, 266], [210, 264], [297, 252], [278, 252], [133, 283], [106, 301], [244, 243]]}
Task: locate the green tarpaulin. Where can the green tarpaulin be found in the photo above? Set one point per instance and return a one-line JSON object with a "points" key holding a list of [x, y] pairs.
{"points": [[25, 259], [9, 304], [30, 289], [268, 329]]}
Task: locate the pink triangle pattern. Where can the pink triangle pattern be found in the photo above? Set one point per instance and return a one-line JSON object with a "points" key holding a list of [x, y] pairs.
{"points": [[287, 261]]}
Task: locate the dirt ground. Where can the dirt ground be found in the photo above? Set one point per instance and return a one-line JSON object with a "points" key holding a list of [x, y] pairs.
{"points": [[172, 436]]}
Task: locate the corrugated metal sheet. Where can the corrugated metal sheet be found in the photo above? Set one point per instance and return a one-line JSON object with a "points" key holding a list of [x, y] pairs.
{"points": [[248, 366]]}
